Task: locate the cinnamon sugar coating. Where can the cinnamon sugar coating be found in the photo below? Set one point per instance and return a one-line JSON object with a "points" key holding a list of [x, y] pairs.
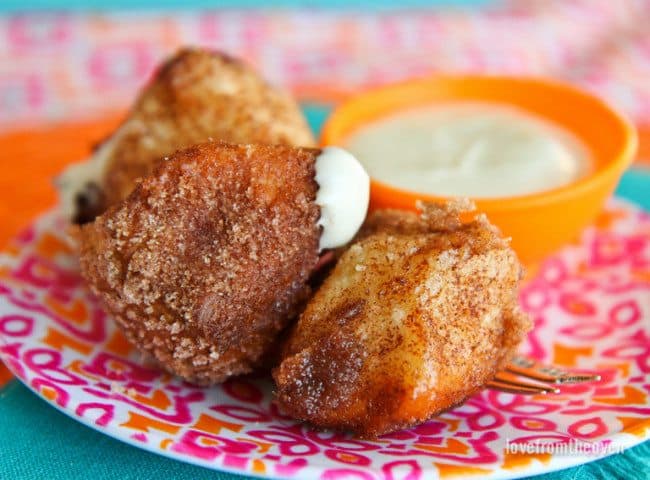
{"points": [[196, 96], [417, 315], [208, 258]]}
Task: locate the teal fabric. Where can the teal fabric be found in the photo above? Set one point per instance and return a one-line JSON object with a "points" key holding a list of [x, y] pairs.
{"points": [[635, 185], [38, 442]]}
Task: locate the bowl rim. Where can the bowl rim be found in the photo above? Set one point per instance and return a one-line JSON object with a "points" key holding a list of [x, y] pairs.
{"points": [[612, 168]]}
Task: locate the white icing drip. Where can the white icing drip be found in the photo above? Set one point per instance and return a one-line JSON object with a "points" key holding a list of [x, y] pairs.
{"points": [[343, 195]]}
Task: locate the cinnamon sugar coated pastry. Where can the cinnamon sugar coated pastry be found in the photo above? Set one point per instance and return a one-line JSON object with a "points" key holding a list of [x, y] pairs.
{"points": [[417, 315], [208, 258], [195, 96]]}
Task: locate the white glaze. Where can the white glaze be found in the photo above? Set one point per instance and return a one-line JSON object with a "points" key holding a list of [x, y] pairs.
{"points": [[343, 195]]}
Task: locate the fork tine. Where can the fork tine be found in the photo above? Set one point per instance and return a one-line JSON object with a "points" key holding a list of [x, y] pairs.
{"points": [[577, 378], [546, 373], [519, 389], [514, 380]]}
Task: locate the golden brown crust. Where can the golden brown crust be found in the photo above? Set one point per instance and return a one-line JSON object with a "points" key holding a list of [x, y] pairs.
{"points": [[208, 258], [418, 314], [431, 218], [196, 96]]}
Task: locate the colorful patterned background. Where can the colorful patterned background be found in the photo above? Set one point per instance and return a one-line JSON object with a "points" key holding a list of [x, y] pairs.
{"points": [[79, 65]]}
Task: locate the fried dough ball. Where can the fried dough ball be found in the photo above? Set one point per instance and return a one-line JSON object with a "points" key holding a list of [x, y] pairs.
{"points": [[196, 96], [417, 315], [209, 257]]}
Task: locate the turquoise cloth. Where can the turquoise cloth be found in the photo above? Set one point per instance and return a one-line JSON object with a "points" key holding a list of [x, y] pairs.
{"points": [[38, 442]]}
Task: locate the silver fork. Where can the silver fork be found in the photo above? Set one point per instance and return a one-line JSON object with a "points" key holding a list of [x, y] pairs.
{"points": [[545, 377]]}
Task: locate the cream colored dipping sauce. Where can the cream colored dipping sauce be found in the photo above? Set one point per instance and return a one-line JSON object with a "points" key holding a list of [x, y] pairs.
{"points": [[469, 149]]}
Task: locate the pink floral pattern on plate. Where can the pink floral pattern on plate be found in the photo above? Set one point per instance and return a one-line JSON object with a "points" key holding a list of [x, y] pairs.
{"points": [[591, 304]]}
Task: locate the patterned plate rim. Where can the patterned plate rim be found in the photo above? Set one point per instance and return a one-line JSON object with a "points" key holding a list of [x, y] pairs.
{"points": [[624, 438]]}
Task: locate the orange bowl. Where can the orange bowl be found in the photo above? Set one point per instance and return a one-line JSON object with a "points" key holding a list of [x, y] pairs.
{"points": [[538, 223]]}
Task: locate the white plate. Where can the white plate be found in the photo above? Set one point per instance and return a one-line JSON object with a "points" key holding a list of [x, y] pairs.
{"points": [[591, 303]]}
